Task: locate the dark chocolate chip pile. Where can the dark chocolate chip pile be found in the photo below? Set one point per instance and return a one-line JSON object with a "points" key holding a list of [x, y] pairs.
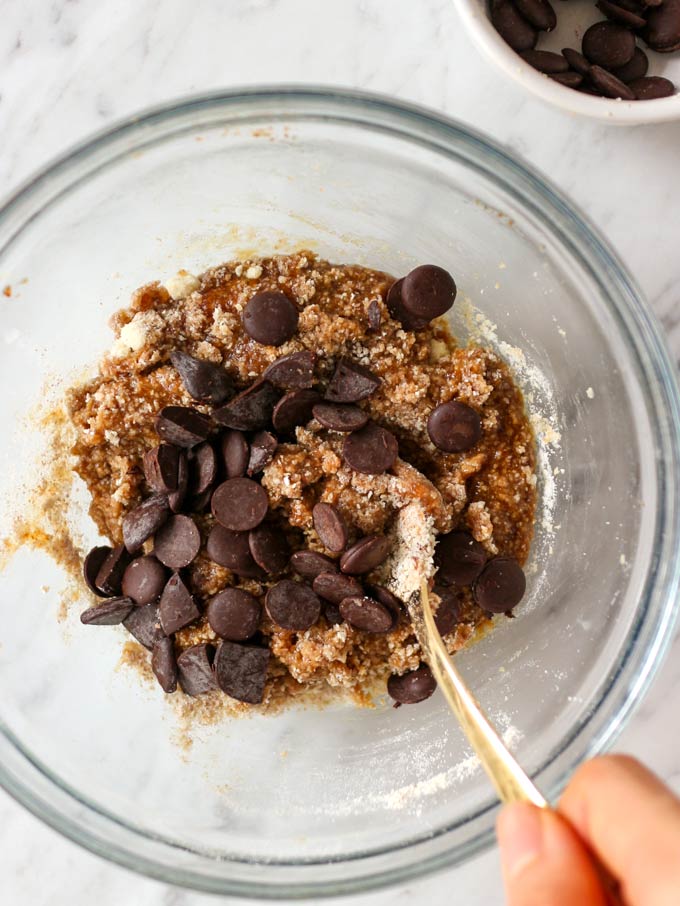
{"points": [[209, 460], [498, 583], [610, 63]]}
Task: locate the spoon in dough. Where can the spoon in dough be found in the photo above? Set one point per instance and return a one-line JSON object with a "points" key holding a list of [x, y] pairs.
{"points": [[510, 780]]}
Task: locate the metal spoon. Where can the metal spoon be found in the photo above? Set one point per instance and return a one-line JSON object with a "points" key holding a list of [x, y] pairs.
{"points": [[510, 780]]}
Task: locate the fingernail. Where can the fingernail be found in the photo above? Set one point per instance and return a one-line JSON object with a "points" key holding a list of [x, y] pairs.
{"points": [[520, 836]]}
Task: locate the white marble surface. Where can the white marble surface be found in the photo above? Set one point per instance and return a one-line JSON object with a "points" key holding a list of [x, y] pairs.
{"points": [[72, 66]]}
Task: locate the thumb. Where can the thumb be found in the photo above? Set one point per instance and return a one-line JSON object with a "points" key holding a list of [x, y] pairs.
{"points": [[544, 861]]}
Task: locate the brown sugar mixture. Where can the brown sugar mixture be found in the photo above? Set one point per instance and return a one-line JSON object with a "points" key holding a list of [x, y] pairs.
{"points": [[268, 446]]}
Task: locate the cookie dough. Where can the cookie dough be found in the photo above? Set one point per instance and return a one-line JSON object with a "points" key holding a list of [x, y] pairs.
{"points": [[271, 426]]}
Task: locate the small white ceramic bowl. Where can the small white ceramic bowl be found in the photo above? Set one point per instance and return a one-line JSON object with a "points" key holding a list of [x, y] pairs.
{"points": [[574, 18]]}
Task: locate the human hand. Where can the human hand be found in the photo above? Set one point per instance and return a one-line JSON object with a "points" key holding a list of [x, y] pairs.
{"points": [[615, 809]]}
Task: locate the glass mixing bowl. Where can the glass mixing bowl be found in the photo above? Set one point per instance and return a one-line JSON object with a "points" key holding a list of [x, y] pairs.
{"points": [[315, 802]]}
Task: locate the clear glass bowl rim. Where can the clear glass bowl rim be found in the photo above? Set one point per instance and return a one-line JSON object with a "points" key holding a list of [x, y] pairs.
{"points": [[22, 776]]}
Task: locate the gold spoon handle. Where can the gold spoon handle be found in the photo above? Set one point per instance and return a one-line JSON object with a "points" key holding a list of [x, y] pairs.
{"points": [[510, 780]]}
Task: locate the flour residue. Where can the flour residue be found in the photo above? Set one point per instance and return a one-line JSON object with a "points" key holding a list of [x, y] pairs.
{"points": [[411, 797], [43, 513], [444, 780], [543, 415]]}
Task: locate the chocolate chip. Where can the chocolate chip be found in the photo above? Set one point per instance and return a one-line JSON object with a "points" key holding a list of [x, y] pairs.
{"points": [[371, 450], [428, 292], [340, 417], [454, 427], [512, 27], [204, 381], [609, 85], [586, 88], [310, 564], [195, 669], [662, 31], [447, 616], [568, 79], [576, 60], [335, 587], [202, 469], [501, 585], [390, 601], [232, 550], [330, 527], [142, 522], [293, 409], [241, 671], [234, 614], [144, 624], [459, 559], [269, 548], [144, 580], [537, 12], [178, 542], [365, 555], [177, 497], [161, 467], [366, 614], [91, 566], [332, 613], [199, 503], [182, 426], [251, 410], [262, 449], [652, 87], [109, 613], [620, 14], [292, 372], [351, 382], [235, 453], [634, 6], [177, 606], [374, 316], [545, 61], [110, 575], [164, 664], [292, 605], [412, 687], [636, 69], [270, 318], [396, 309], [240, 504], [608, 44], [671, 48]]}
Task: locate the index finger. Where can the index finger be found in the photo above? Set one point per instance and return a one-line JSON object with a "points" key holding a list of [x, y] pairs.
{"points": [[632, 822]]}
